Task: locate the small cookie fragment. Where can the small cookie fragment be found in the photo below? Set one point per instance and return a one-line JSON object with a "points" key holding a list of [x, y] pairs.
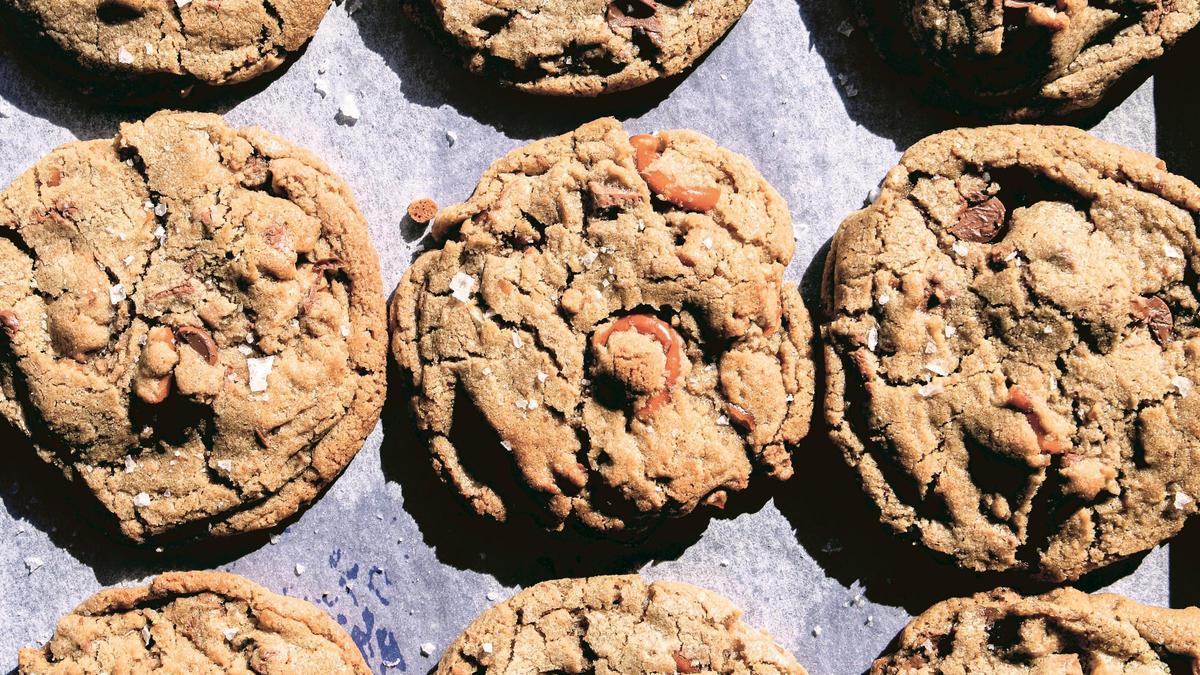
{"points": [[580, 48], [1065, 631], [676, 627], [197, 622], [603, 306], [188, 295], [1022, 401], [422, 210]]}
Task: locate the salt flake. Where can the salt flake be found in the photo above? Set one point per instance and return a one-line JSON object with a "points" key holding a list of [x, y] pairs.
{"points": [[1182, 384], [116, 293], [461, 286], [124, 56], [1172, 252], [260, 369], [141, 499]]}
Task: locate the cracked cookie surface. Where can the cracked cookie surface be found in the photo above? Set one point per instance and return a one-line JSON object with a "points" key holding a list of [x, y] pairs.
{"points": [[615, 624], [586, 350], [1064, 631], [1026, 58], [195, 622], [578, 47], [1011, 347], [176, 43], [193, 323]]}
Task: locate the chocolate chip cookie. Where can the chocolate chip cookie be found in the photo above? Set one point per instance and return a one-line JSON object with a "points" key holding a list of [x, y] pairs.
{"points": [[195, 622], [618, 624], [1012, 343], [611, 311], [193, 323], [1064, 631], [1026, 58], [173, 44], [577, 47]]}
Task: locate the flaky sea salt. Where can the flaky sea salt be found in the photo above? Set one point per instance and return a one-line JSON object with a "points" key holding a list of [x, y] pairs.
{"points": [[937, 368], [130, 465], [931, 389], [588, 258], [348, 112], [299, 569], [960, 248], [1182, 500], [32, 563], [1182, 385], [427, 648], [517, 341], [872, 338], [229, 633], [1172, 252], [461, 286], [884, 298], [124, 56], [260, 369], [225, 465], [116, 293], [141, 499], [949, 331], [541, 377]]}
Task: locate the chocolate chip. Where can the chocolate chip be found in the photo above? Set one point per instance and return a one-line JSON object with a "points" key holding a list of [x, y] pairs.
{"points": [[199, 340], [637, 14], [980, 223], [682, 665], [1155, 313], [740, 416], [10, 322]]}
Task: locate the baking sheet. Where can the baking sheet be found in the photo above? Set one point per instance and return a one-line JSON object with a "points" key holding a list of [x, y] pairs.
{"points": [[793, 86]]}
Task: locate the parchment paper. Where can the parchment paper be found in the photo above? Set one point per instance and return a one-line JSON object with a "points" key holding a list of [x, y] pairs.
{"points": [[384, 551]]}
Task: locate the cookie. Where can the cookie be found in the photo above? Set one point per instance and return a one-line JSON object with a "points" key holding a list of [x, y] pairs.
{"points": [[172, 45], [581, 47], [193, 323], [1021, 59], [617, 624], [1064, 631], [613, 311], [195, 622], [1011, 349]]}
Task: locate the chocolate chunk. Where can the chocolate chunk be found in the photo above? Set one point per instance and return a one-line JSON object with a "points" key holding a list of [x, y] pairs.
{"points": [[682, 665], [1155, 313], [638, 14], [980, 223], [199, 340], [9, 321]]}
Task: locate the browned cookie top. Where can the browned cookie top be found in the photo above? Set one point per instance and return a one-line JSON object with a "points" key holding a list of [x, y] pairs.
{"points": [[193, 322], [1012, 347], [1024, 58], [619, 625], [177, 41], [579, 47], [195, 622], [625, 334], [1065, 631]]}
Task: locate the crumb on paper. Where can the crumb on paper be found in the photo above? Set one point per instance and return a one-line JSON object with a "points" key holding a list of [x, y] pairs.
{"points": [[427, 648], [33, 563], [422, 210], [299, 569]]}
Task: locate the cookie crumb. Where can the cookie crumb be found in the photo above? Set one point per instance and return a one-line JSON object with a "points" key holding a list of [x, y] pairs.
{"points": [[422, 210], [493, 596], [427, 649], [451, 138], [299, 569], [846, 28], [817, 630], [33, 563]]}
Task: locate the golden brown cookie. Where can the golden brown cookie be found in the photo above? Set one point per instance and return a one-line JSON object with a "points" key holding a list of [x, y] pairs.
{"points": [[578, 47], [1065, 631], [195, 622], [612, 309], [1012, 345], [1026, 58], [618, 625], [193, 323], [172, 44]]}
